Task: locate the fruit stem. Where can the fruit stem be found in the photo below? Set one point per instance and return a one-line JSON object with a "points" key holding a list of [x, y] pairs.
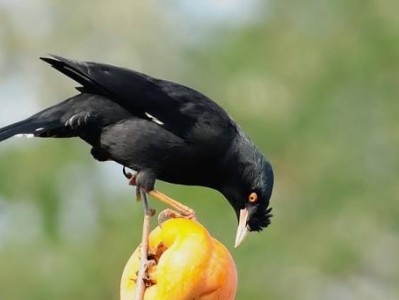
{"points": [[148, 213]]}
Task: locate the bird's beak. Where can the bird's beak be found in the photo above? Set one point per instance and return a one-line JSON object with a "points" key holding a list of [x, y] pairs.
{"points": [[242, 229]]}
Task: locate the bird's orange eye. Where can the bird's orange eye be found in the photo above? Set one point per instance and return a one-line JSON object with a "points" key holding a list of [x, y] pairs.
{"points": [[253, 197]]}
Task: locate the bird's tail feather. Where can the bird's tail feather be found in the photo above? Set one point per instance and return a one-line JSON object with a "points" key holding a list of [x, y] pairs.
{"points": [[30, 127]]}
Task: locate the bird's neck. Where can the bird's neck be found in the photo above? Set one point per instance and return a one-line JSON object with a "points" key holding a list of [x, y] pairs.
{"points": [[239, 160]]}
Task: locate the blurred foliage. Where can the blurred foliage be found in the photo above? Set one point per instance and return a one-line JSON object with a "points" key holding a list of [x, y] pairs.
{"points": [[314, 83]]}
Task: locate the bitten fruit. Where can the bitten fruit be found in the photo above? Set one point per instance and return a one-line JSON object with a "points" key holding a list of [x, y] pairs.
{"points": [[188, 264]]}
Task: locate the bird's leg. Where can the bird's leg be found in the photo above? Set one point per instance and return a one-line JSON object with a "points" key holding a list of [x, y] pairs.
{"points": [[182, 210], [145, 263], [146, 182]]}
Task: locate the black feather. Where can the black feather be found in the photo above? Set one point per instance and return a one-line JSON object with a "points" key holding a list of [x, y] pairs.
{"points": [[161, 129]]}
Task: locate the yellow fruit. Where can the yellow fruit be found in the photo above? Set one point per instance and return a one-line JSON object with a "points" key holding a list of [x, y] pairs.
{"points": [[189, 265]]}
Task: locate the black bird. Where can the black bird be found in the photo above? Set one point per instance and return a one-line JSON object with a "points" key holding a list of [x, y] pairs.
{"points": [[162, 130]]}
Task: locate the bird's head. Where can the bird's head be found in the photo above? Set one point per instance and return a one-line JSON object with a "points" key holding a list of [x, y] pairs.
{"points": [[251, 200]]}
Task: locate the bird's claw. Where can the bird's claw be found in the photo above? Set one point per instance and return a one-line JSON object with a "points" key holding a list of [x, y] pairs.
{"points": [[168, 213], [128, 175], [131, 177]]}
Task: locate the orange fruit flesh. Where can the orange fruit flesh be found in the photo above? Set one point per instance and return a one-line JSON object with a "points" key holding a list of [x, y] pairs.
{"points": [[189, 264]]}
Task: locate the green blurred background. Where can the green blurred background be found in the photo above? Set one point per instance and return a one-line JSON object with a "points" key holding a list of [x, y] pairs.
{"points": [[314, 83]]}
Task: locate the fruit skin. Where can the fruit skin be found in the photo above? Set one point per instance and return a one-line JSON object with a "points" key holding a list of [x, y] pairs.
{"points": [[191, 265]]}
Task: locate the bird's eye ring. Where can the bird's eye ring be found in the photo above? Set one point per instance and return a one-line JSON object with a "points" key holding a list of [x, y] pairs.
{"points": [[253, 197]]}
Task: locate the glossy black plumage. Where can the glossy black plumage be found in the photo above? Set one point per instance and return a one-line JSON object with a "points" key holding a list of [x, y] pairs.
{"points": [[161, 129]]}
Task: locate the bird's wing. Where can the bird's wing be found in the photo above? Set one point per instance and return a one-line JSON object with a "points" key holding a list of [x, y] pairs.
{"points": [[179, 109]]}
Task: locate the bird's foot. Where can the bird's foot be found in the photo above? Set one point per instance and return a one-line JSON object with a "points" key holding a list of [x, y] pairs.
{"points": [[168, 213]]}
